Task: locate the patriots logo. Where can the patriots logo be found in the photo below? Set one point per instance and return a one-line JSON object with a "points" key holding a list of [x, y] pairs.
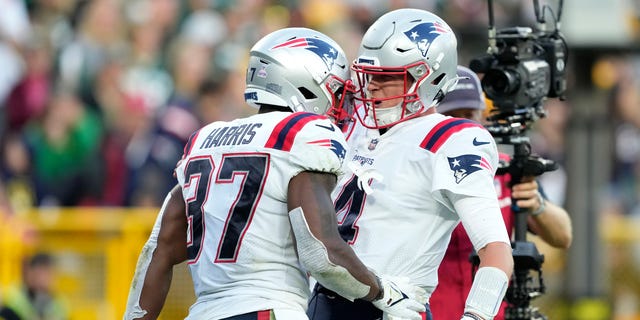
{"points": [[424, 34], [325, 51], [333, 145], [467, 164]]}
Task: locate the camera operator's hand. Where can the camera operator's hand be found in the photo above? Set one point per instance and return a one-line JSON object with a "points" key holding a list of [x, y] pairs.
{"points": [[546, 219], [401, 299], [527, 195]]}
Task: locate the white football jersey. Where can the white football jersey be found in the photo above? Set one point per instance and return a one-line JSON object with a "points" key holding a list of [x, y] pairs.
{"points": [[234, 178], [403, 227]]}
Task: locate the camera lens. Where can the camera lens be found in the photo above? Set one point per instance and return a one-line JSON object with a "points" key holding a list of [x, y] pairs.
{"points": [[500, 83]]}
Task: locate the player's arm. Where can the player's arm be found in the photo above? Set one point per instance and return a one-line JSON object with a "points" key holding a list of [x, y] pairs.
{"points": [[165, 248], [331, 261], [490, 282], [498, 255], [310, 191], [482, 219], [548, 220], [483, 222]]}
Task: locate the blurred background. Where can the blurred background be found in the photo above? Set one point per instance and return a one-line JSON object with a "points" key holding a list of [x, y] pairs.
{"points": [[98, 97]]}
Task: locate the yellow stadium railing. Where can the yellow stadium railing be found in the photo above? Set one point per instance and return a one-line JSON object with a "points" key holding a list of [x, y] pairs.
{"points": [[96, 251]]}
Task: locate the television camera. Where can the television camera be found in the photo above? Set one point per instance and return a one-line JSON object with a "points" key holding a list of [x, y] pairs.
{"points": [[522, 67]]}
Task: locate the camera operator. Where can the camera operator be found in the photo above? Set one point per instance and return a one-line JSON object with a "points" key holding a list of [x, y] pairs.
{"points": [[547, 220]]}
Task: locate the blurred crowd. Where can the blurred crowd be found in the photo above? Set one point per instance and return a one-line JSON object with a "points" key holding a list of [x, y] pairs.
{"points": [[33, 296], [623, 194], [98, 97]]}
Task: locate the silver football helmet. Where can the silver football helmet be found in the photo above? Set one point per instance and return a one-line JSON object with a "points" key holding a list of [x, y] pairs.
{"points": [[301, 69], [412, 43]]}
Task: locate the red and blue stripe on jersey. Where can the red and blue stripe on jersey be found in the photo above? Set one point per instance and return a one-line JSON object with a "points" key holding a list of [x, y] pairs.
{"points": [[443, 130], [285, 131], [189, 145]]}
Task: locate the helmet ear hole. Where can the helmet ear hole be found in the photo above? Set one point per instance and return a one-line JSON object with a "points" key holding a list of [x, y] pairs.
{"points": [[438, 79], [306, 93]]}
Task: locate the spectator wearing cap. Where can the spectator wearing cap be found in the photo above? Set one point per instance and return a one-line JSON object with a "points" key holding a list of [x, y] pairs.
{"points": [[466, 99], [549, 221], [34, 298]]}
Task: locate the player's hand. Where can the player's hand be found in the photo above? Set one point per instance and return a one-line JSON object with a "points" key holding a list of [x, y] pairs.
{"points": [[364, 176], [401, 299]]}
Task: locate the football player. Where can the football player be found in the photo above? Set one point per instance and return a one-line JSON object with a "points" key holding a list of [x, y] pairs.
{"points": [[252, 214], [416, 173]]}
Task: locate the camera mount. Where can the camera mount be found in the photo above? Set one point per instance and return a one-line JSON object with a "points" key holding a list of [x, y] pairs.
{"points": [[527, 282]]}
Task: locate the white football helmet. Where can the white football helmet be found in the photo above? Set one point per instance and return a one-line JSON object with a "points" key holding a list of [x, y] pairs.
{"points": [[301, 69], [415, 44]]}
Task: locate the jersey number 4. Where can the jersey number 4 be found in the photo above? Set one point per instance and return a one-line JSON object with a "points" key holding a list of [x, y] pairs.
{"points": [[348, 205], [251, 169]]}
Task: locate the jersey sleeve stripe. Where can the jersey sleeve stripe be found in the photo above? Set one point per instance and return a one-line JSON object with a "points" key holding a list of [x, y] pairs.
{"points": [[443, 130], [189, 145], [264, 315], [285, 132]]}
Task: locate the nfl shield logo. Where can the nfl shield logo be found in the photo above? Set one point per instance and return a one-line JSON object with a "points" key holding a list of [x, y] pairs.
{"points": [[372, 144]]}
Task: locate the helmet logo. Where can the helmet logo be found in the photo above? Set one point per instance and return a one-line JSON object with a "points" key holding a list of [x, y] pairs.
{"points": [[424, 34], [325, 51]]}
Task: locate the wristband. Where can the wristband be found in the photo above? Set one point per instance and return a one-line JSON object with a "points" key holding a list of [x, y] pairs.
{"points": [[469, 315], [540, 208], [488, 289]]}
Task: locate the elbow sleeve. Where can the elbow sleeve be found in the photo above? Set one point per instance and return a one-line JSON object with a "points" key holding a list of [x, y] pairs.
{"points": [[314, 258]]}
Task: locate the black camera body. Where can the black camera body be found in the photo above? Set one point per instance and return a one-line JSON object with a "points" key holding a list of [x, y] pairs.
{"points": [[522, 69]]}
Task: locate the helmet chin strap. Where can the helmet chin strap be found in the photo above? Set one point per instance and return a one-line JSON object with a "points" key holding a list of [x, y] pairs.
{"points": [[388, 115], [392, 114]]}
